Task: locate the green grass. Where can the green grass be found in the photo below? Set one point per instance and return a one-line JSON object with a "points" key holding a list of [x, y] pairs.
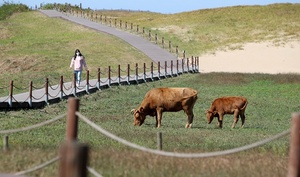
{"points": [[31, 51], [272, 99]]}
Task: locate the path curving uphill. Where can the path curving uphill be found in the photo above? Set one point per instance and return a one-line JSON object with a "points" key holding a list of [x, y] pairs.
{"points": [[154, 52]]}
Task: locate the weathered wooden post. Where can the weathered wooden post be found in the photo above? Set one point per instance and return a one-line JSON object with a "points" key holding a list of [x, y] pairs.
{"points": [[30, 94], [61, 84], [137, 29], [149, 35], [163, 42], [182, 64], [166, 67], [143, 31], [109, 76], [137, 73], [98, 79], [171, 68], [74, 84], [145, 72], [177, 67], [72, 119], [176, 51], [155, 38], [11, 93], [193, 65], [73, 155], [87, 86], [170, 46], [47, 91], [152, 71], [294, 153], [119, 74], [115, 23], [158, 68], [187, 64], [159, 140], [5, 143], [74, 160], [128, 74]]}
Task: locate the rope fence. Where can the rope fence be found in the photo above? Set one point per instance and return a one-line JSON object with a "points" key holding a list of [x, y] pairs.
{"points": [[181, 155], [78, 151], [37, 97]]}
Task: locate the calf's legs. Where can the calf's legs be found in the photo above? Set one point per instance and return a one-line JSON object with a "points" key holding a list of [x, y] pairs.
{"points": [[190, 115], [235, 118]]}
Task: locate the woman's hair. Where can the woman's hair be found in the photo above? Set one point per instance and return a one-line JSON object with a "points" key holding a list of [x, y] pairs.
{"points": [[77, 50]]}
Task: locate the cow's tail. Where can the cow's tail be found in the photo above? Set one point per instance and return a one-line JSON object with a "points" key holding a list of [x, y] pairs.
{"points": [[245, 105]]}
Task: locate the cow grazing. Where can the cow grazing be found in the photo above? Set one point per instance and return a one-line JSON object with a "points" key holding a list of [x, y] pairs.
{"points": [[159, 100], [227, 105]]}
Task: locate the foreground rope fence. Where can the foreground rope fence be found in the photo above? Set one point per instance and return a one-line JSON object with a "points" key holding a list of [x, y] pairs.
{"points": [[77, 153]]}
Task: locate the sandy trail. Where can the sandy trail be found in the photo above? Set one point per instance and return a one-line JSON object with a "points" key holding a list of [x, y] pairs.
{"points": [[255, 58]]}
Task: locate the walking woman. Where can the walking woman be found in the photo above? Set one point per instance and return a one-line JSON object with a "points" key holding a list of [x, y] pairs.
{"points": [[78, 62]]}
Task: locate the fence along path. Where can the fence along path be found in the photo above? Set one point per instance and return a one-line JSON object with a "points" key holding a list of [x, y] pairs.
{"points": [[71, 135], [167, 66]]}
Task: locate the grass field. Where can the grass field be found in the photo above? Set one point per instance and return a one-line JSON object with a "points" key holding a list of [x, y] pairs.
{"points": [[272, 99]]}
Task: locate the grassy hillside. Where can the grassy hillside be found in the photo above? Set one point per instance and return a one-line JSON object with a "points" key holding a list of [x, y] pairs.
{"points": [[203, 31], [35, 47]]}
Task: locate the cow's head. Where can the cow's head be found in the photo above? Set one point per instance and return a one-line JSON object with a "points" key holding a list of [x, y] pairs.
{"points": [[210, 115], [138, 116]]}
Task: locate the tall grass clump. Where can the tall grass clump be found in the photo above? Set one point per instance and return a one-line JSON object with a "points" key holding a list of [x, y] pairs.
{"points": [[7, 9]]}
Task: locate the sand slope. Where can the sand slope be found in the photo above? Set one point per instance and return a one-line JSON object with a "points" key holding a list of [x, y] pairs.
{"points": [[255, 58]]}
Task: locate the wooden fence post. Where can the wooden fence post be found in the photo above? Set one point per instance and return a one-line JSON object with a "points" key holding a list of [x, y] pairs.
{"points": [[11, 93], [119, 74], [98, 79], [159, 140], [166, 68], [158, 68], [74, 159], [74, 83], [72, 119], [128, 74], [294, 153], [61, 84], [5, 143], [151, 71], [137, 73], [145, 72], [47, 91], [87, 86], [109, 76], [30, 94]]}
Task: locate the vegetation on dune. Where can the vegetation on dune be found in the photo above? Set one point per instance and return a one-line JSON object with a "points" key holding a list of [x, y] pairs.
{"points": [[7, 9], [203, 31]]}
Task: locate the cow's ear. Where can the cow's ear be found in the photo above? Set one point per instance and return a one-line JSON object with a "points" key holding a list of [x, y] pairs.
{"points": [[141, 109]]}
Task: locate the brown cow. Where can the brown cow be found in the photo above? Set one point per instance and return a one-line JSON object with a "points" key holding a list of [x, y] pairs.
{"points": [[159, 100], [227, 105]]}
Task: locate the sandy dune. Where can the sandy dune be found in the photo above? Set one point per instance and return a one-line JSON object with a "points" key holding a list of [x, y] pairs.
{"points": [[255, 58]]}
